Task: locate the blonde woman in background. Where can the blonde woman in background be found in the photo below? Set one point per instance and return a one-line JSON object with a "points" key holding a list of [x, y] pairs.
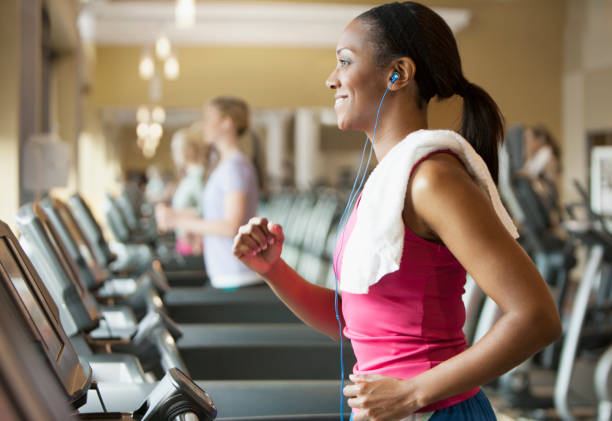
{"points": [[229, 198], [188, 156]]}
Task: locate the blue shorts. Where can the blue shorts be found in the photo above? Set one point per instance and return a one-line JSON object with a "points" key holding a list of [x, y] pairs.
{"points": [[477, 408]]}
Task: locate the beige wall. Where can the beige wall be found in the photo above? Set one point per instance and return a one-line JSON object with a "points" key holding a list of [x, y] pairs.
{"points": [[9, 109], [514, 49], [265, 77], [98, 159]]}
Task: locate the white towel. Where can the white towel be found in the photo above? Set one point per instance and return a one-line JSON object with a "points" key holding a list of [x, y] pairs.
{"points": [[383, 226]]}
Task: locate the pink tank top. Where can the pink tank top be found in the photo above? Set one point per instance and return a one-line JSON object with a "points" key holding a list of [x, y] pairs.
{"points": [[412, 319]]}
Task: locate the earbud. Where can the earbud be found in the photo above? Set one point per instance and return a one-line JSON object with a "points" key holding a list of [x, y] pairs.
{"points": [[394, 77]]}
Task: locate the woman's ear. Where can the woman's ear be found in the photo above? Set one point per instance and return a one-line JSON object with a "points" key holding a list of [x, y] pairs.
{"points": [[406, 69]]}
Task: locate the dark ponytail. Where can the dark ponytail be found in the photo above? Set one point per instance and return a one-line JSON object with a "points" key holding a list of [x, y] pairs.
{"points": [[482, 125], [412, 30]]}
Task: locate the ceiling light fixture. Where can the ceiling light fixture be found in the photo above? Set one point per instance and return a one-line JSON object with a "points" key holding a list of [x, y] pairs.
{"points": [[162, 47], [158, 115], [142, 130], [171, 68], [155, 131], [185, 13], [142, 114], [146, 67]]}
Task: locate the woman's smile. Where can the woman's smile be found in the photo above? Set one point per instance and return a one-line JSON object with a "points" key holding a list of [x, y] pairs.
{"points": [[340, 99]]}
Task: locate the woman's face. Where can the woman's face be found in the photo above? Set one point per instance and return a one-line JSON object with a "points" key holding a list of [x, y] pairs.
{"points": [[357, 81], [212, 124]]}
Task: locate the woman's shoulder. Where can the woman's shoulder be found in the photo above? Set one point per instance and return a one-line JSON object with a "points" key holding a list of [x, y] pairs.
{"points": [[441, 163], [229, 165], [440, 173], [434, 178], [440, 186], [235, 172], [240, 163]]}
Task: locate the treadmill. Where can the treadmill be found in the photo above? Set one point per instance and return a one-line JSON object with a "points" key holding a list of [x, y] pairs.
{"points": [[133, 259], [246, 399], [211, 351]]}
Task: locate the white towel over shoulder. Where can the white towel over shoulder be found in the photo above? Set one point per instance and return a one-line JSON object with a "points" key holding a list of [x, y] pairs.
{"points": [[375, 246]]}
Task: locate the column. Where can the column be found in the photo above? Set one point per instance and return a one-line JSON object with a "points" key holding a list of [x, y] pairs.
{"points": [[277, 124], [307, 147]]}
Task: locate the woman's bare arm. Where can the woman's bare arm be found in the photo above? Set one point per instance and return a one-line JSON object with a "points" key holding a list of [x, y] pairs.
{"points": [[234, 210], [258, 245]]}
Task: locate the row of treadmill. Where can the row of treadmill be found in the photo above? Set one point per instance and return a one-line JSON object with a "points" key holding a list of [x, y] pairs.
{"points": [[90, 334]]}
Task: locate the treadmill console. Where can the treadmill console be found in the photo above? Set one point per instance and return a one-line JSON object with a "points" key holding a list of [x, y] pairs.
{"points": [[86, 250], [44, 330], [68, 293], [68, 242], [29, 390], [175, 395], [91, 229]]}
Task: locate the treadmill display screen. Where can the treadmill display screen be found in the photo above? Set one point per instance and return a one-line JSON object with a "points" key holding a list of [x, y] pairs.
{"points": [[76, 234], [55, 242], [48, 335]]}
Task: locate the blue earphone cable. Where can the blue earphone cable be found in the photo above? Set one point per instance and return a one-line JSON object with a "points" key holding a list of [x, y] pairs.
{"points": [[341, 225]]}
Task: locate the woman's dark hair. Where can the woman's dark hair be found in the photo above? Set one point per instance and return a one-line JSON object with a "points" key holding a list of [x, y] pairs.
{"points": [[412, 30]]}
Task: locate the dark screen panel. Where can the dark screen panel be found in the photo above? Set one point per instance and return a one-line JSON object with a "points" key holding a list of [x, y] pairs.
{"points": [[59, 251], [47, 333], [77, 235]]}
